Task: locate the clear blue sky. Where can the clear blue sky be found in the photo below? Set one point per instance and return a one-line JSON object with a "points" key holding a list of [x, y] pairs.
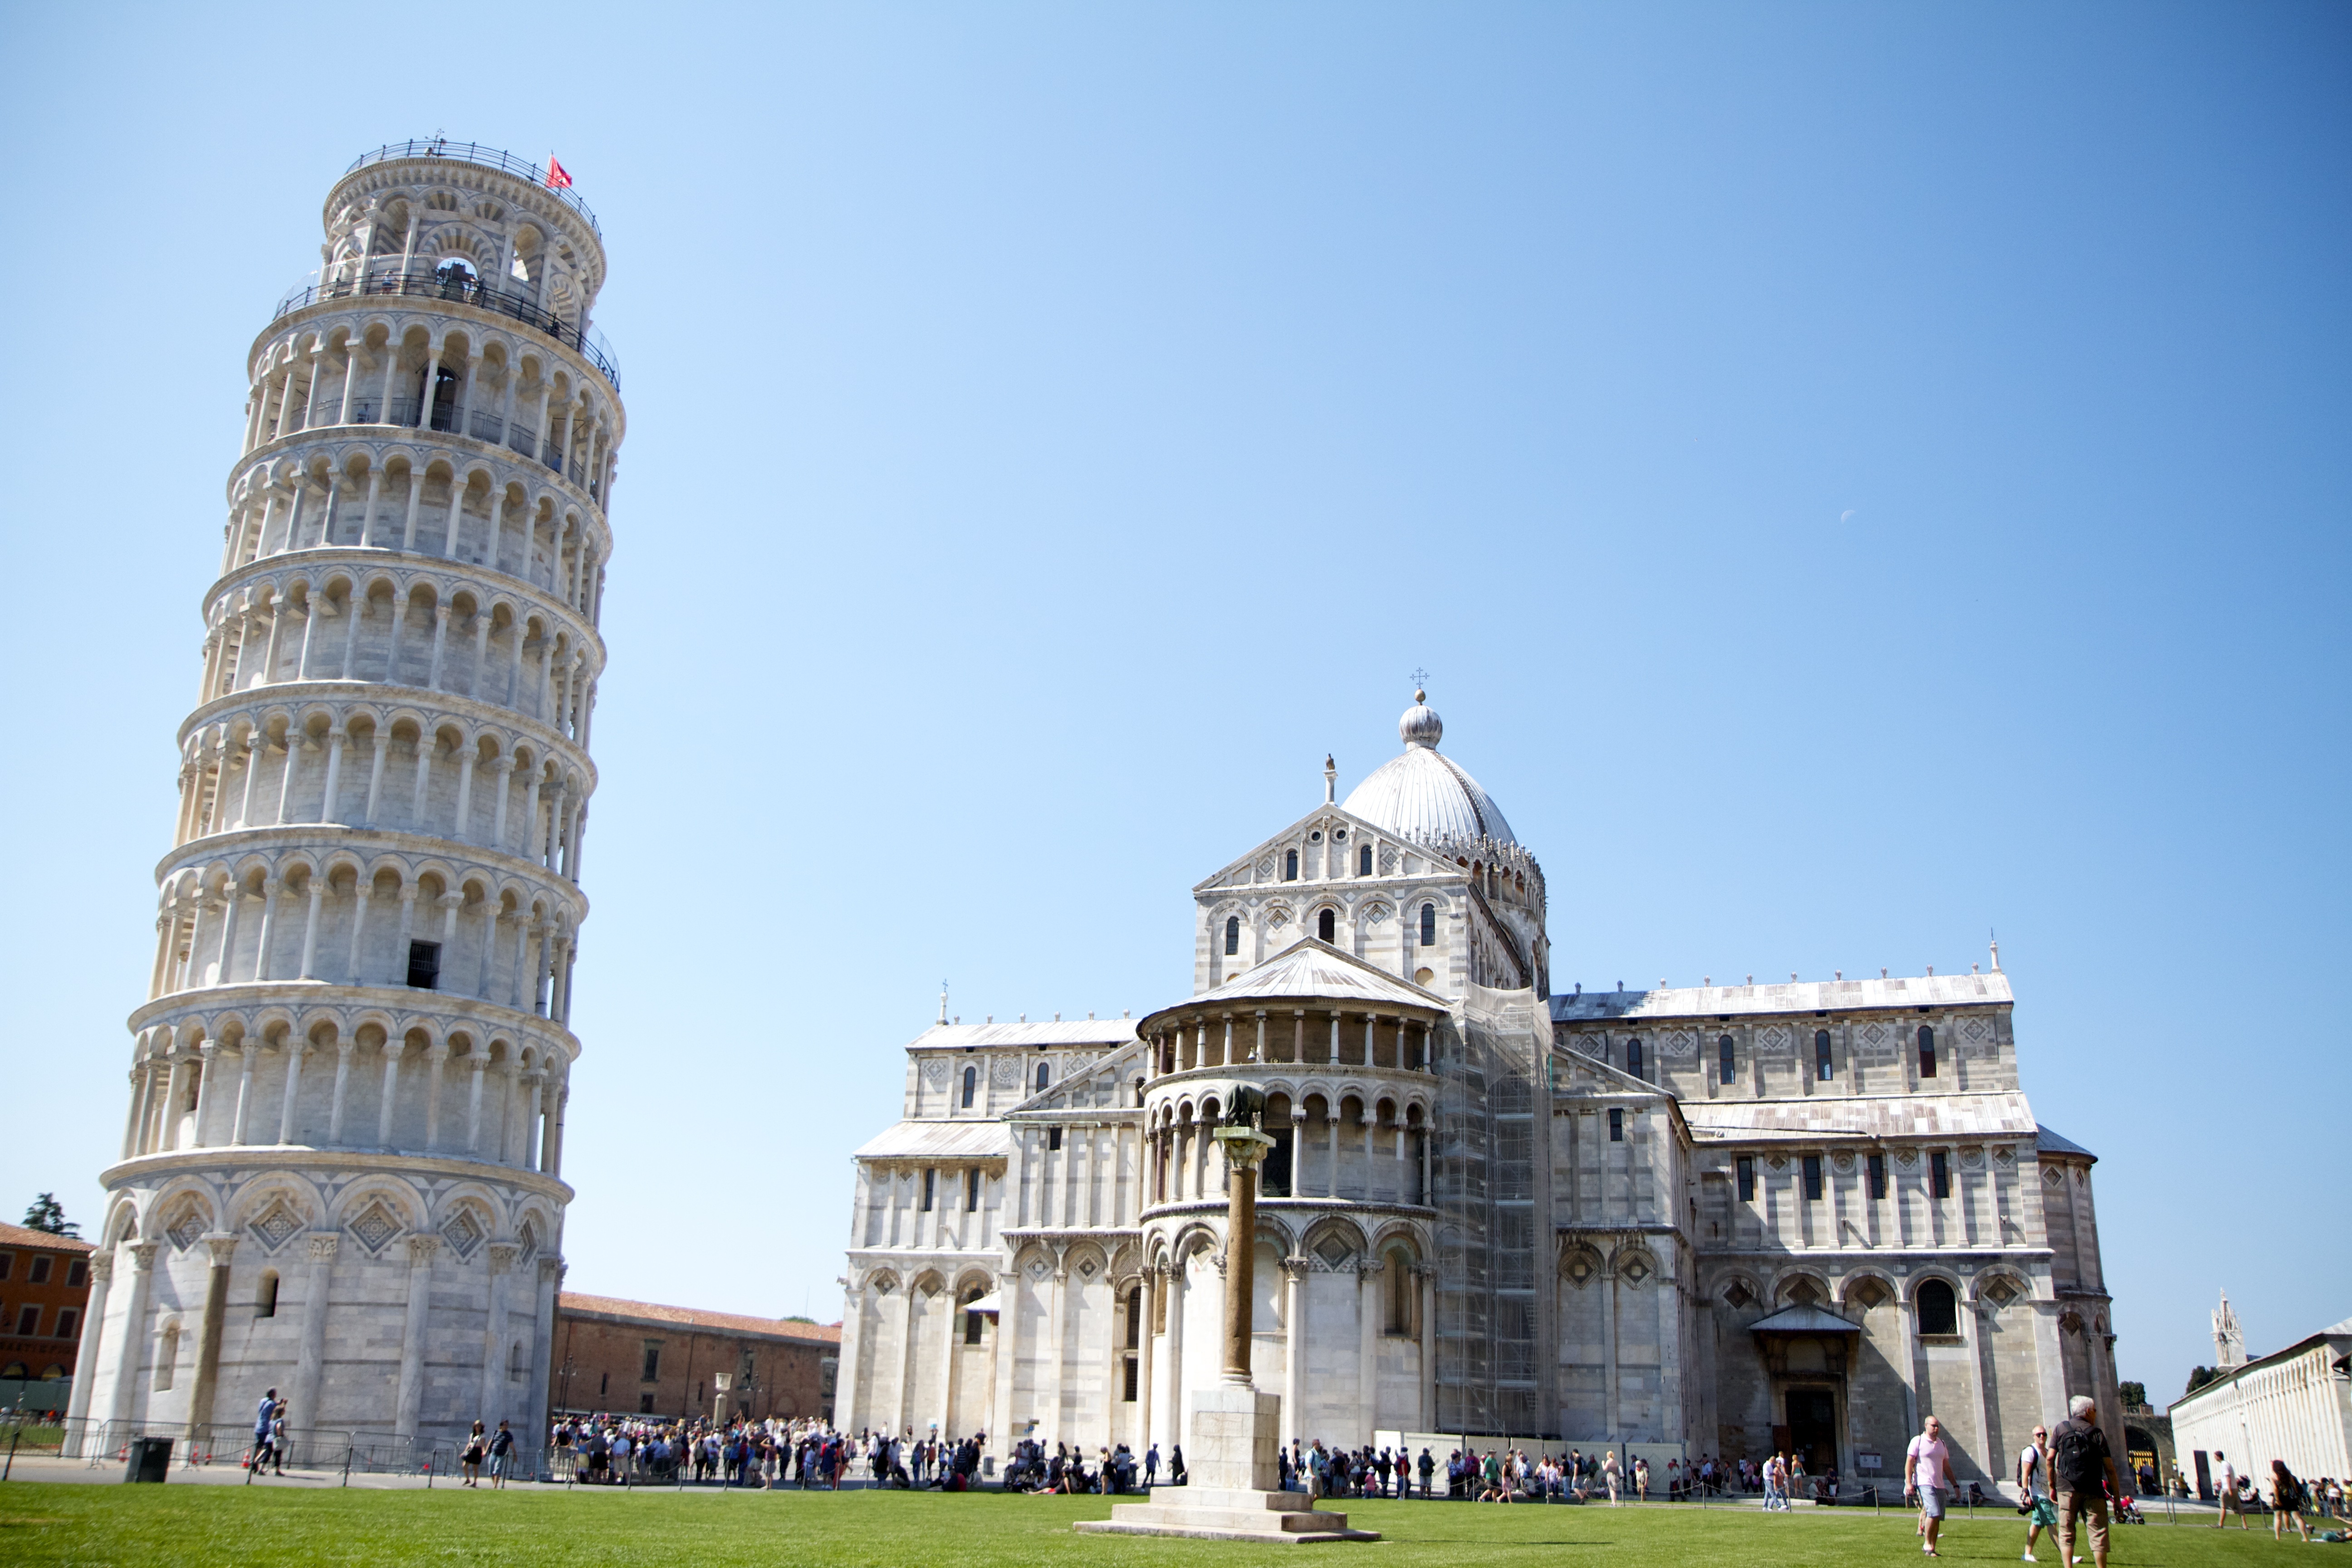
{"points": [[1857, 477]]}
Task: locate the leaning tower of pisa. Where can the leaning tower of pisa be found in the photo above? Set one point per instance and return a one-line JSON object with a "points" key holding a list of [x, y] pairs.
{"points": [[340, 1173]]}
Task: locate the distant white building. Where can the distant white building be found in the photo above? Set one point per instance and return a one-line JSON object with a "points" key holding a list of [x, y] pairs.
{"points": [[2294, 1404]]}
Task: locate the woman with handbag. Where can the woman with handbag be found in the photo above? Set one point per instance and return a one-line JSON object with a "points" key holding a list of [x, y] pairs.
{"points": [[472, 1456]]}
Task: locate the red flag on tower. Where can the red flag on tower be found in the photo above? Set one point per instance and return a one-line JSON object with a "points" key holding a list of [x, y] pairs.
{"points": [[557, 180]]}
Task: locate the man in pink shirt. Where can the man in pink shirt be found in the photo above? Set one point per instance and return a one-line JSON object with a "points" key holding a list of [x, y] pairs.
{"points": [[1928, 1475]]}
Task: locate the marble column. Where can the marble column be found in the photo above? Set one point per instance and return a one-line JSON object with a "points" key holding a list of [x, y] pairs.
{"points": [[132, 1353], [1368, 1346], [500, 1259], [223, 1246], [1294, 1347], [93, 1335], [1179, 1288], [311, 1363], [411, 1395], [542, 1348]]}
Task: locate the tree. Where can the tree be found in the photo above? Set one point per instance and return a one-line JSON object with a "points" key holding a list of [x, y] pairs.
{"points": [[2133, 1392], [2198, 1376], [49, 1214]]}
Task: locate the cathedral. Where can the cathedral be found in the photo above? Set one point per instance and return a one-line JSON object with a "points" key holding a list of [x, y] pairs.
{"points": [[1696, 1221]]}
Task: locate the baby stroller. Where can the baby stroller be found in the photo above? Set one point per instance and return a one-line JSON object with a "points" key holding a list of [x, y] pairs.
{"points": [[2128, 1511]]}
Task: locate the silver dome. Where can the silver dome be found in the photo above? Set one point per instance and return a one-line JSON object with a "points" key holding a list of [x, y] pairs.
{"points": [[1424, 797]]}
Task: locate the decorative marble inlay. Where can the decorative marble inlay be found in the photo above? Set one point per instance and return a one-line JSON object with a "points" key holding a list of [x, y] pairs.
{"points": [[375, 1228], [463, 1233], [1634, 1271], [183, 1234], [1333, 1251], [274, 1228]]}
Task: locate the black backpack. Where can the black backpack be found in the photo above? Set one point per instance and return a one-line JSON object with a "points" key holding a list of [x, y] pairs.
{"points": [[2073, 1455]]}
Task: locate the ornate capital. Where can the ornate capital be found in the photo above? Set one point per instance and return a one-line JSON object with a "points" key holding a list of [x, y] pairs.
{"points": [[101, 1264], [552, 1270], [421, 1249], [143, 1256], [222, 1244], [1294, 1266], [502, 1256], [324, 1244]]}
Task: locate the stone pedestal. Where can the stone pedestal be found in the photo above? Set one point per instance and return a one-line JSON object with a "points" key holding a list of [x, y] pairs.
{"points": [[1235, 1436]]}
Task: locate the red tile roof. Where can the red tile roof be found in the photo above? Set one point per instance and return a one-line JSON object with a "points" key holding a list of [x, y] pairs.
{"points": [[695, 1317], [20, 1236]]}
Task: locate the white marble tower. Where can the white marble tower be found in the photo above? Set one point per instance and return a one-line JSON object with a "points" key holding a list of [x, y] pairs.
{"points": [[340, 1173]]}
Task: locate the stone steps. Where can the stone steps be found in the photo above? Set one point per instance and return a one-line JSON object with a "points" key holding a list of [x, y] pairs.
{"points": [[1280, 1518]]}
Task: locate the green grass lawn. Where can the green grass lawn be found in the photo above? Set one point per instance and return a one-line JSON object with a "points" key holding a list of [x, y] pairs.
{"points": [[265, 1526]]}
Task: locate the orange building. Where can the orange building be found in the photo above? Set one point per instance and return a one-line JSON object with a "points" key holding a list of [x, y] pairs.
{"points": [[43, 1291], [639, 1357]]}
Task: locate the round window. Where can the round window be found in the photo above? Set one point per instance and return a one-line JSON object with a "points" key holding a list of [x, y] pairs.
{"points": [[1316, 837]]}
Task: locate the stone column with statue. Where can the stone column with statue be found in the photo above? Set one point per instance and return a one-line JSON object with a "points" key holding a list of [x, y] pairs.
{"points": [[1236, 1429]]}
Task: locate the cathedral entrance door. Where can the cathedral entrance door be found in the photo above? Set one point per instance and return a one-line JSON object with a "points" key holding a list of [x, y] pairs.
{"points": [[1812, 1427]]}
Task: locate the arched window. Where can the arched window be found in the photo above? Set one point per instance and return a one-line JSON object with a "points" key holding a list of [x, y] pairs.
{"points": [[1939, 1310], [1364, 860], [1926, 1051], [1327, 925], [265, 1304], [1290, 865], [1727, 1067], [1634, 1058], [1233, 934], [1045, 1077], [1822, 1059], [1429, 925], [971, 1083]]}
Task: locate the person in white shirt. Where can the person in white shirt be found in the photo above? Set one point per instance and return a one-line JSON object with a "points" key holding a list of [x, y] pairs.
{"points": [[2227, 1484], [1928, 1475], [2034, 1485]]}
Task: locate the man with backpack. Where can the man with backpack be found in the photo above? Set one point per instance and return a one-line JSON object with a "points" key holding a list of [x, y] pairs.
{"points": [[2083, 1472]]}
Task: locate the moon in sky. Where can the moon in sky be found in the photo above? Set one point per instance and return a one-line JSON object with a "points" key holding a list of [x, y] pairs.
{"points": [[1846, 516]]}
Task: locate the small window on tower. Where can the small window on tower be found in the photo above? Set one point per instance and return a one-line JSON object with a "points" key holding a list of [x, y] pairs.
{"points": [[1616, 1126], [1290, 865], [1822, 1061], [1727, 1069], [1326, 925], [970, 1084], [1232, 935], [1429, 925], [1129, 1395], [1812, 1178], [1045, 1078], [1926, 1051], [425, 966], [930, 1188], [1747, 1178], [1364, 860], [265, 1305], [1634, 1058], [1877, 1176], [1939, 1174], [971, 1326], [971, 1191], [1053, 1138]]}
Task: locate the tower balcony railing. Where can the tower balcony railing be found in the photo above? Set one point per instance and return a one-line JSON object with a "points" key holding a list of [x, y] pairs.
{"points": [[516, 435], [462, 288], [487, 157]]}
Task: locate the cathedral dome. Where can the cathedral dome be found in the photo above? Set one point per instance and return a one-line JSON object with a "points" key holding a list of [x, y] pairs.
{"points": [[1423, 797]]}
